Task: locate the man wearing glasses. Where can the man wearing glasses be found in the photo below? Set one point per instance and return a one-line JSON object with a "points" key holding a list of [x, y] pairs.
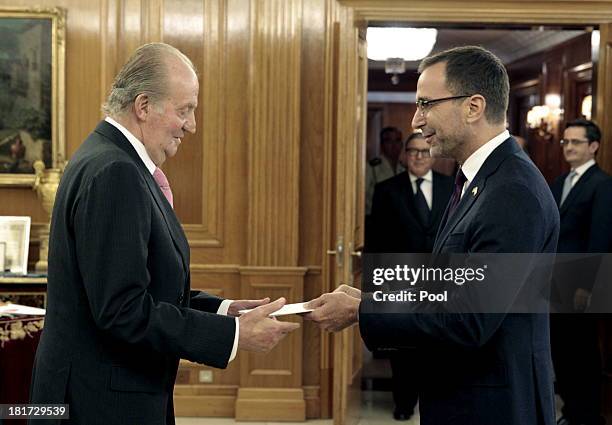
{"points": [[406, 214], [584, 200], [476, 368], [409, 205]]}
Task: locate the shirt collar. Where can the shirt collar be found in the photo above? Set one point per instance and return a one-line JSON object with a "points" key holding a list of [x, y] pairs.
{"points": [[472, 165], [428, 176], [582, 169], [137, 144]]}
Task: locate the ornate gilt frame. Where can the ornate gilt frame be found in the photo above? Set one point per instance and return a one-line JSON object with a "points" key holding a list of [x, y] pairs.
{"points": [[57, 16]]}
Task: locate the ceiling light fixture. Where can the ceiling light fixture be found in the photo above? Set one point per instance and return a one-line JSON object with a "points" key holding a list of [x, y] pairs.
{"points": [[407, 43]]}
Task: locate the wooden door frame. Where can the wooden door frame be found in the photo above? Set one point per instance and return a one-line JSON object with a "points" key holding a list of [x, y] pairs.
{"points": [[434, 12]]}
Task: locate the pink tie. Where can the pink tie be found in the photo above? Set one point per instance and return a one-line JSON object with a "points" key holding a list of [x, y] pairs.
{"points": [[162, 181]]}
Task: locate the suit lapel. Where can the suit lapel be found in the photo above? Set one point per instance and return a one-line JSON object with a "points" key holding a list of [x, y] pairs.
{"points": [[577, 188], [467, 200], [176, 231], [473, 191], [557, 188]]}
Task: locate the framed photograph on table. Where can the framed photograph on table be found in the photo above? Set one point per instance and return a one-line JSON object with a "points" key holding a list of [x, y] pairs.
{"points": [[32, 62], [15, 236]]}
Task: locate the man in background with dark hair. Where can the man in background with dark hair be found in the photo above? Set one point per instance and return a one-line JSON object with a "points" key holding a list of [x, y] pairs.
{"points": [[406, 214], [584, 199], [476, 368]]}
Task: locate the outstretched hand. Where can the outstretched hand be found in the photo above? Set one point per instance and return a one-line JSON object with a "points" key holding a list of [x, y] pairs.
{"points": [[334, 311], [259, 332]]}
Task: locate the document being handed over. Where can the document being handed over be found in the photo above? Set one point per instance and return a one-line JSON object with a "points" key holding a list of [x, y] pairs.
{"points": [[295, 308]]}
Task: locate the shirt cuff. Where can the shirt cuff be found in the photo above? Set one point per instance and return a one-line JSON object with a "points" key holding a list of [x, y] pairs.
{"points": [[223, 307], [235, 347], [225, 304]]}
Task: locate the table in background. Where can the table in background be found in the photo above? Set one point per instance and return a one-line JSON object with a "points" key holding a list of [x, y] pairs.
{"points": [[19, 338]]}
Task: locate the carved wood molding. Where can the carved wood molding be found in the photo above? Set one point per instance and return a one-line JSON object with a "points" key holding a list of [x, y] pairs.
{"points": [[524, 11], [283, 366], [274, 132]]}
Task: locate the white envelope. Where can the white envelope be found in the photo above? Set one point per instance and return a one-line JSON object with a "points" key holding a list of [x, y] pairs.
{"points": [[296, 308]]}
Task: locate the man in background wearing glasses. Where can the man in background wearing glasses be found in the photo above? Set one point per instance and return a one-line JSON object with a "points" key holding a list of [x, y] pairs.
{"points": [[406, 214], [584, 200], [407, 208]]}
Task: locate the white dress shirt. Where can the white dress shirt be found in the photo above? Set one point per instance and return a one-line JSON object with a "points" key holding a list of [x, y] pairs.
{"points": [[426, 186], [581, 170], [472, 165], [144, 156]]}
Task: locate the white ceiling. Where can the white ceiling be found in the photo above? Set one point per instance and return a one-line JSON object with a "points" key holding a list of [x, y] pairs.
{"points": [[508, 44]]}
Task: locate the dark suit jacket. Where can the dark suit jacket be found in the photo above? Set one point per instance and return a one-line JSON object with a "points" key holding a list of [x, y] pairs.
{"points": [[586, 221], [394, 221], [483, 369], [586, 227], [120, 313]]}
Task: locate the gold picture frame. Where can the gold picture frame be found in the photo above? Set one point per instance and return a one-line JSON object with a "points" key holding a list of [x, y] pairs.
{"points": [[32, 91]]}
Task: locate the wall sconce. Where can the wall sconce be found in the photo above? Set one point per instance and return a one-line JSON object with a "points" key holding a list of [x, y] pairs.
{"points": [[587, 106], [545, 117]]}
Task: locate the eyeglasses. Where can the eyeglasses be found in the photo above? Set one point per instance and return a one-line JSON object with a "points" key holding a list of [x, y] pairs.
{"points": [[425, 153], [423, 105], [574, 142]]}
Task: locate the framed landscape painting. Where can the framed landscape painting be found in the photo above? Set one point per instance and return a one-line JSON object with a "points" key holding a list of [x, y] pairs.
{"points": [[32, 95]]}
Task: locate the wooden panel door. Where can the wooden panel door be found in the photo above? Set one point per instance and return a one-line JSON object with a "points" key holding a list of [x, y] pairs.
{"points": [[349, 99]]}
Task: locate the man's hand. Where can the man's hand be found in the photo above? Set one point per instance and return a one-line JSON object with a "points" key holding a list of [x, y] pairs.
{"points": [[260, 333], [349, 290], [334, 311], [238, 305]]}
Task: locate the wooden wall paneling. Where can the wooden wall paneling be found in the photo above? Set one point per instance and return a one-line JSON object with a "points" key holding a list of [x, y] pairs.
{"points": [[312, 135], [271, 383], [191, 396], [274, 132], [311, 348], [220, 235], [109, 66], [187, 27], [200, 166], [273, 171], [577, 82]]}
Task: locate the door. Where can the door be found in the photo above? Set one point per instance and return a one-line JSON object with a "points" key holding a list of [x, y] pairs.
{"points": [[349, 208]]}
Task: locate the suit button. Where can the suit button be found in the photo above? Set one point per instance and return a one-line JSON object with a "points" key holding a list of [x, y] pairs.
{"points": [[181, 298]]}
